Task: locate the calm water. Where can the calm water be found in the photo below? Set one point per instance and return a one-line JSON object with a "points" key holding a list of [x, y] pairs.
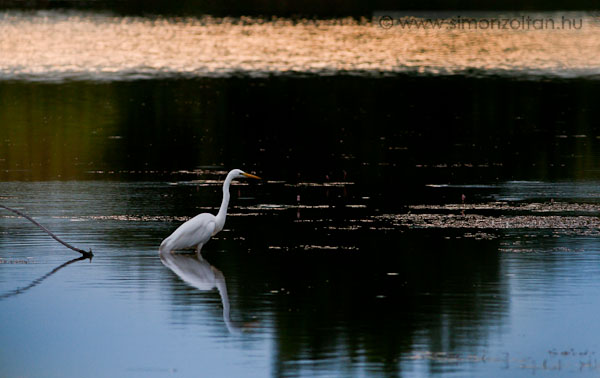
{"points": [[311, 291], [438, 223]]}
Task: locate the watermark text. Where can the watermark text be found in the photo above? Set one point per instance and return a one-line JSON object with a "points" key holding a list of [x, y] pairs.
{"points": [[475, 22]]}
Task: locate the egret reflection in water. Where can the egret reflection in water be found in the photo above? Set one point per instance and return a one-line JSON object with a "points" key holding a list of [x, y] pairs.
{"points": [[194, 270]]}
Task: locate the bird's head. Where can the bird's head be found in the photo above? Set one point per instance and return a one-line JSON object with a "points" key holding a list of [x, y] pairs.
{"points": [[237, 173]]}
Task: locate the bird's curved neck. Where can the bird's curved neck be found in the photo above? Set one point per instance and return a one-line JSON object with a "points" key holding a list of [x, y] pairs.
{"points": [[222, 214]]}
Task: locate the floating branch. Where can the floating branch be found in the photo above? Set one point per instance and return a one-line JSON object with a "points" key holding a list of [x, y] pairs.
{"points": [[88, 254]]}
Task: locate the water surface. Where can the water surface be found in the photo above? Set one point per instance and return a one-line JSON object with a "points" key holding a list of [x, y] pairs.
{"points": [[429, 204], [310, 291], [54, 45]]}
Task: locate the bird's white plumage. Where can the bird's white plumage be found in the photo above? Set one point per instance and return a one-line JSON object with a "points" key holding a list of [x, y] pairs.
{"points": [[192, 234], [197, 231]]}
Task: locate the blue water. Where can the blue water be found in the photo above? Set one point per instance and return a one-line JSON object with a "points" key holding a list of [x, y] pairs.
{"points": [[395, 300]]}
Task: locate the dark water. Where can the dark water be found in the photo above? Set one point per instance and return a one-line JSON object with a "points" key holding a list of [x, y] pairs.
{"points": [[305, 8], [355, 255], [405, 130]]}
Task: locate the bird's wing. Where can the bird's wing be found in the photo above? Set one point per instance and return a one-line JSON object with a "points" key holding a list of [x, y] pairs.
{"points": [[197, 230], [210, 229], [200, 227]]}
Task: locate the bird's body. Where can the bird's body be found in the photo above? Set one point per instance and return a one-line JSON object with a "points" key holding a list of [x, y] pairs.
{"points": [[197, 231], [192, 234]]}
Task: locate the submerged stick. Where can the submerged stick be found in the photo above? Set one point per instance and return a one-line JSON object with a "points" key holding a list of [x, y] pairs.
{"points": [[84, 253]]}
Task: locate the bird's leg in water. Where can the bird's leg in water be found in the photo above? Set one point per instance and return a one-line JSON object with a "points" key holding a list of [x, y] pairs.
{"points": [[199, 249]]}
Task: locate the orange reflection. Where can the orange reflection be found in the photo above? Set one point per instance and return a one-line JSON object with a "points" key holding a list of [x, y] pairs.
{"points": [[90, 45]]}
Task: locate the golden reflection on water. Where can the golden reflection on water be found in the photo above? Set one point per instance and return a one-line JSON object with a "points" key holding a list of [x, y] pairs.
{"points": [[54, 45]]}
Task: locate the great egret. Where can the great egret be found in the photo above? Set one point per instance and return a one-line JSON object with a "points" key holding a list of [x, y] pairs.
{"points": [[198, 230]]}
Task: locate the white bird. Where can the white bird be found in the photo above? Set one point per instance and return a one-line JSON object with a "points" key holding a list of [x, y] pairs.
{"points": [[197, 231]]}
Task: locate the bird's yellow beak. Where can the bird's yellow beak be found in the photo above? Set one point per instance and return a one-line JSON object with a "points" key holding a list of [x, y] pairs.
{"points": [[251, 176]]}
